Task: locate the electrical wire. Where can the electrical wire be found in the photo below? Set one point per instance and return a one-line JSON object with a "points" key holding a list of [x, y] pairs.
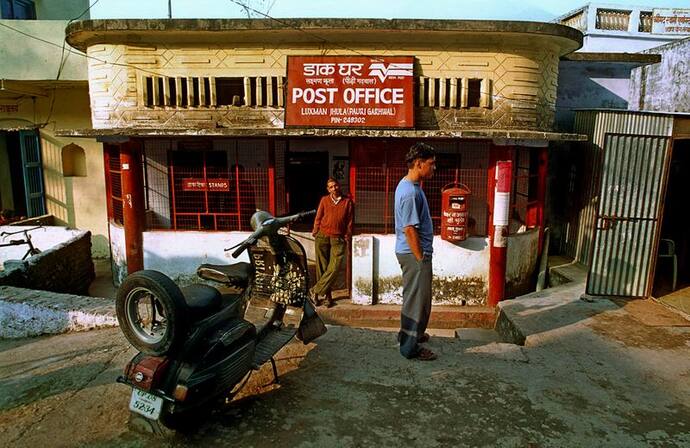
{"points": [[326, 41], [321, 39]]}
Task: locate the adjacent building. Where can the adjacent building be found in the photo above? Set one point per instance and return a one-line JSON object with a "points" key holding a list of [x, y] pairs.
{"points": [[44, 87]]}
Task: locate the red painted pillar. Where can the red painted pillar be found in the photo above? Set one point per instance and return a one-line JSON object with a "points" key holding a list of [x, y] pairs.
{"points": [[272, 176], [541, 193], [500, 183], [133, 204]]}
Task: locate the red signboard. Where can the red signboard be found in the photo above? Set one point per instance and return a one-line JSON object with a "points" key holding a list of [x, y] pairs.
{"points": [[192, 184], [350, 91]]}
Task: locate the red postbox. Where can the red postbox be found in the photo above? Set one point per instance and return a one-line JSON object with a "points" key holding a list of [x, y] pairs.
{"points": [[455, 206]]}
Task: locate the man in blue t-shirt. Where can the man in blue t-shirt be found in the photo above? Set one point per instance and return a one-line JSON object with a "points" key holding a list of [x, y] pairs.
{"points": [[414, 237]]}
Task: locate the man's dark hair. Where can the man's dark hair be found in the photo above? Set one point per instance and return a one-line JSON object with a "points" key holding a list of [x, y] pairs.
{"points": [[419, 151]]}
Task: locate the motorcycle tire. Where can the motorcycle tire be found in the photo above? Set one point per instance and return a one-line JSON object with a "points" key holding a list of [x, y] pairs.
{"points": [[165, 298]]}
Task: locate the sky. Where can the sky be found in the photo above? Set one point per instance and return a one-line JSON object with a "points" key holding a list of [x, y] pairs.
{"points": [[536, 10]]}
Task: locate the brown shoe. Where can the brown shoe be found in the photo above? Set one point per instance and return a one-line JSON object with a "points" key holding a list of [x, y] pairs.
{"points": [[425, 354], [424, 338]]}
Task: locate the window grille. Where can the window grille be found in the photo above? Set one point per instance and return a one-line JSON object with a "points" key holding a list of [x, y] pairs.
{"points": [[612, 19], [453, 93], [114, 184], [525, 183], [379, 168], [645, 25], [211, 92], [205, 184]]}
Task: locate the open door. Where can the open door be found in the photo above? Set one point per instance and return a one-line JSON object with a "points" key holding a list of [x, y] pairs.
{"points": [[32, 166], [626, 229]]}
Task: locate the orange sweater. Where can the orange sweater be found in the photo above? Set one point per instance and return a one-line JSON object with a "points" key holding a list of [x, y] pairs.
{"points": [[334, 219]]}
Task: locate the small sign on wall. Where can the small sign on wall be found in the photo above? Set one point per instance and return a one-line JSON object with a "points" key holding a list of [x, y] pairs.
{"points": [[192, 184], [671, 21]]}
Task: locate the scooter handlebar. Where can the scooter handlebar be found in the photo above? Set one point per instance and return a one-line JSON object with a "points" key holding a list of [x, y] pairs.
{"points": [[267, 227]]}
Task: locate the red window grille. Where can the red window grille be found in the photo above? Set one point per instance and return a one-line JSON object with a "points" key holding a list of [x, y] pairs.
{"points": [[525, 184], [379, 166], [172, 203], [114, 183]]}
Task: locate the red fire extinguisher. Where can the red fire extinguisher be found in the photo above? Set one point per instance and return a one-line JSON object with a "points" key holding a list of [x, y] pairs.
{"points": [[455, 198]]}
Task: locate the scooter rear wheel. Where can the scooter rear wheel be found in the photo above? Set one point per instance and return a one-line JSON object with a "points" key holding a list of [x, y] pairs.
{"points": [[150, 309]]}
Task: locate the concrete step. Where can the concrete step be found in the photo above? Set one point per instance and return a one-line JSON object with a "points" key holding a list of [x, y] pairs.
{"points": [[442, 316]]}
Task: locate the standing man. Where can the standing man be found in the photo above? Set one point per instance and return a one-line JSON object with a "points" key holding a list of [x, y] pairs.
{"points": [[332, 231], [414, 236]]}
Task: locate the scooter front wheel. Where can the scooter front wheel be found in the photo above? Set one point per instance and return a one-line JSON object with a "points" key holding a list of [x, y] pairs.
{"points": [[150, 310]]}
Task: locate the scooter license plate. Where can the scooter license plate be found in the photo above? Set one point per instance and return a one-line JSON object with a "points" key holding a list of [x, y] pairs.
{"points": [[146, 404]]}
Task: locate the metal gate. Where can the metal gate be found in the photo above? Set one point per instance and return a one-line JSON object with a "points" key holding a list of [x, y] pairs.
{"points": [[627, 223], [33, 173]]}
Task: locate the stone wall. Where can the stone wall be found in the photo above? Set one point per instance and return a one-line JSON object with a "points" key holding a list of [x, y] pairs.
{"points": [[66, 268]]}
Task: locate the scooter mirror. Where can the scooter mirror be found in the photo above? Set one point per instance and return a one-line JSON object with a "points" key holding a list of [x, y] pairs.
{"points": [[259, 218]]}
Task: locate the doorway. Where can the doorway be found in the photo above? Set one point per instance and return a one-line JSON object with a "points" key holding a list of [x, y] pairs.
{"points": [[307, 173], [672, 277]]}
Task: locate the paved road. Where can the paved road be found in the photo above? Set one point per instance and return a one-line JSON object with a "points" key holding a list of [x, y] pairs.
{"points": [[585, 386]]}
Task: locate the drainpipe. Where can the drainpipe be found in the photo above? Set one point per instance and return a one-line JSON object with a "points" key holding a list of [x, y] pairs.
{"points": [[500, 182], [133, 204]]}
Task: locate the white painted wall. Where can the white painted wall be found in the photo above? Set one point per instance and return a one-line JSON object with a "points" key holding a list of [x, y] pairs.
{"points": [[43, 239], [179, 254], [461, 270], [453, 265]]}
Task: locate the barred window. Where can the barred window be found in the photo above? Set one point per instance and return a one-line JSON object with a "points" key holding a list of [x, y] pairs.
{"points": [[204, 184], [114, 183], [525, 184], [379, 166]]}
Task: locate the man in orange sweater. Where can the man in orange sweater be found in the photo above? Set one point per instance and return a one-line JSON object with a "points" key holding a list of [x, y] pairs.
{"points": [[332, 230]]}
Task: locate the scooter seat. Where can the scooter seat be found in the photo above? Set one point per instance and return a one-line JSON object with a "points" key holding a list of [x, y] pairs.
{"points": [[201, 300], [236, 274]]}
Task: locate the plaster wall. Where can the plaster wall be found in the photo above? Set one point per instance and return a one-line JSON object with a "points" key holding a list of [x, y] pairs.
{"points": [[75, 201], [590, 85], [61, 9], [622, 42], [664, 86], [43, 239], [35, 60], [176, 254], [461, 271], [524, 70]]}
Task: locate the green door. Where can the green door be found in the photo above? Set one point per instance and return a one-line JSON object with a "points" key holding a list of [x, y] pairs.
{"points": [[33, 173]]}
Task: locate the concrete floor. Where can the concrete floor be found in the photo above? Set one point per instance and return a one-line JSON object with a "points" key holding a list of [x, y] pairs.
{"points": [[679, 300]]}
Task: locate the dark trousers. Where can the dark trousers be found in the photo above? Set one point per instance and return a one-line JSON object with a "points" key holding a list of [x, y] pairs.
{"points": [[416, 308], [330, 253]]}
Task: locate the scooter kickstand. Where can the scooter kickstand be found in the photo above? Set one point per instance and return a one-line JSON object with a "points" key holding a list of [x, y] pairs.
{"points": [[275, 371]]}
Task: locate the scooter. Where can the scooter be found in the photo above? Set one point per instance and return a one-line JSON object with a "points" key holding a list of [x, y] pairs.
{"points": [[195, 343]]}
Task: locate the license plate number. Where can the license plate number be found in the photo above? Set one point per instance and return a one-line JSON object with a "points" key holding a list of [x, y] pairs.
{"points": [[146, 404]]}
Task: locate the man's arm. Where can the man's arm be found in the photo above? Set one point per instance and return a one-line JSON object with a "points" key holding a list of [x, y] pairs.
{"points": [[350, 219], [317, 219], [412, 237]]}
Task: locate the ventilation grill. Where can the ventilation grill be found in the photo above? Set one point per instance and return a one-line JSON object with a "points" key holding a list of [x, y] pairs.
{"points": [[454, 92], [184, 92]]}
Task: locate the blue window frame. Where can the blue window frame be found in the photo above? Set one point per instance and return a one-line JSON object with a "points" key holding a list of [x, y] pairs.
{"points": [[18, 9]]}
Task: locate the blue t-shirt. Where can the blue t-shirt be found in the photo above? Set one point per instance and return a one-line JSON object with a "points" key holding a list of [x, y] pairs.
{"points": [[412, 209]]}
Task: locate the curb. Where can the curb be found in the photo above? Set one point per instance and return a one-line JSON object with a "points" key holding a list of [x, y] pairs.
{"points": [[388, 316], [28, 312]]}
